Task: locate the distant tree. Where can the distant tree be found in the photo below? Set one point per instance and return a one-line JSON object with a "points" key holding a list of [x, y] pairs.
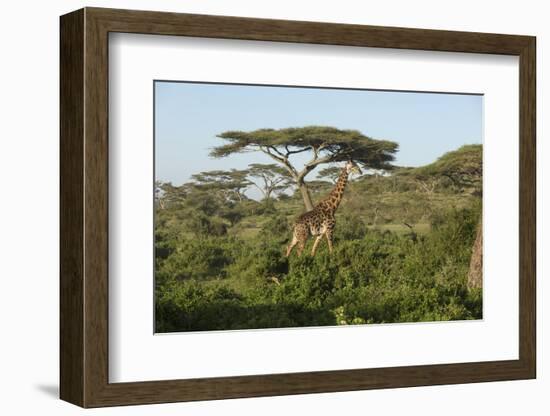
{"points": [[272, 178], [231, 184], [204, 200], [168, 195], [319, 187], [331, 173], [418, 178], [233, 213], [324, 144], [464, 167]]}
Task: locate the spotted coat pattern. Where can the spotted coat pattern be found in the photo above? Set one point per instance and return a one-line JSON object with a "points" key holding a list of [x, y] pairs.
{"points": [[320, 221]]}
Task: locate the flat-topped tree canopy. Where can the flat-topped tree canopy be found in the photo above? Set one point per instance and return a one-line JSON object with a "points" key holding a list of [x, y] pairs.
{"points": [[328, 144], [325, 144], [229, 182], [463, 166]]}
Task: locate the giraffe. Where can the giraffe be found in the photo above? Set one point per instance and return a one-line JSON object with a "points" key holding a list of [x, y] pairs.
{"points": [[320, 221]]}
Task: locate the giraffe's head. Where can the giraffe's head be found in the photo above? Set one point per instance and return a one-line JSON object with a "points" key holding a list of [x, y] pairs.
{"points": [[352, 167]]}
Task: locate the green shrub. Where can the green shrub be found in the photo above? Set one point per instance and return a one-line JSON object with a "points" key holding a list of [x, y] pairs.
{"points": [[199, 259], [206, 280], [350, 227], [277, 227]]}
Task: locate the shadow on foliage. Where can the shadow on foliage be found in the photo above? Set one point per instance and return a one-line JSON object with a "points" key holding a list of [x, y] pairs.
{"points": [[232, 314]]}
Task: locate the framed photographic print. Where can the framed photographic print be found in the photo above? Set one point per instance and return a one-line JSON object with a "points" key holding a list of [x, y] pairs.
{"points": [[255, 207]]}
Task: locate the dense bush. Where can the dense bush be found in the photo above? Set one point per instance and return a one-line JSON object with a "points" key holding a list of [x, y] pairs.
{"points": [[209, 281], [402, 248], [350, 227], [277, 226]]}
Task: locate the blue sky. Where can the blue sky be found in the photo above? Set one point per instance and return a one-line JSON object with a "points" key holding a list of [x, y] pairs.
{"points": [[188, 116]]}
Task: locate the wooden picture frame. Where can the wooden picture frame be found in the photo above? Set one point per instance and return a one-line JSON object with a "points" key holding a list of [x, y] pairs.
{"points": [[84, 207]]}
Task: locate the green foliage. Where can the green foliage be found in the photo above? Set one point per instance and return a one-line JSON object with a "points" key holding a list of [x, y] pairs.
{"points": [[277, 227], [335, 144], [227, 185], [376, 277], [197, 259], [324, 144], [201, 224], [351, 227], [271, 178], [463, 167], [401, 254], [331, 173]]}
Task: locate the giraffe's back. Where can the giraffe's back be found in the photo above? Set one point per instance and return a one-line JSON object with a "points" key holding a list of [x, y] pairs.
{"points": [[316, 221]]}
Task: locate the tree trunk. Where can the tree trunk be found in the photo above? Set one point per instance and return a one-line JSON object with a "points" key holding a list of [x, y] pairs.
{"points": [[475, 274], [305, 194]]}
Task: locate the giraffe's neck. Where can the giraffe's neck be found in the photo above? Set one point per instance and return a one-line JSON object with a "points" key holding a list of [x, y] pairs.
{"points": [[336, 195]]}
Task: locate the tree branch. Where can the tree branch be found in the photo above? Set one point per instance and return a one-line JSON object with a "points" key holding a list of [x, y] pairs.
{"points": [[282, 160], [260, 189], [276, 151], [326, 159], [293, 152], [309, 166], [268, 152]]}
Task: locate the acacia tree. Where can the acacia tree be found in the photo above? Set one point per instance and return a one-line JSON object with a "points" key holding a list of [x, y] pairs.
{"points": [[464, 167], [325, 145], [230, 184], [317, 187], [168, 195], [273, 178], [331, 173]]}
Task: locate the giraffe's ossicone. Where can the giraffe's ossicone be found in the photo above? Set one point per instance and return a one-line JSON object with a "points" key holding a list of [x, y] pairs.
{"points": [[320, 221]]}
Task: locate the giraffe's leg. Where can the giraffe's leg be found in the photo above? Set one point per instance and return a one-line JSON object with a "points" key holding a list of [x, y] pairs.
{"points": [[316, 243], [291, 245], [301, 245], [328, 235]]}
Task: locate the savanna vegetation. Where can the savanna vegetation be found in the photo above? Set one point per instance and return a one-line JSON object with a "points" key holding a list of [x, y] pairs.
{"points": [[403, 242]]}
